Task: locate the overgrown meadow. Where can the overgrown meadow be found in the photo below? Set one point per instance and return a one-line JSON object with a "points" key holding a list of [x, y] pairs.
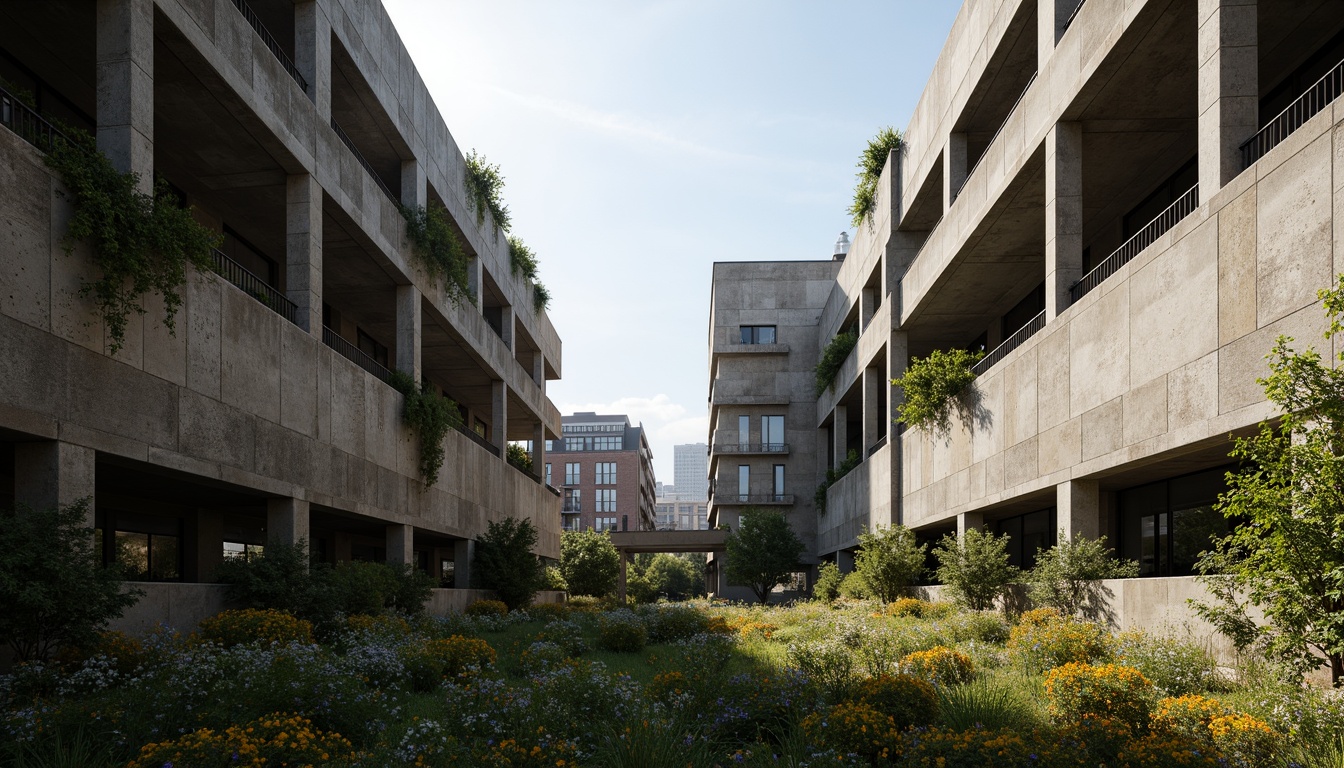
{"points": [[858, 683]]}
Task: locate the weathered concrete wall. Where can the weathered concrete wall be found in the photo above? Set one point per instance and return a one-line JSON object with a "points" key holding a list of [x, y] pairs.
{"points": [[857, 502]]}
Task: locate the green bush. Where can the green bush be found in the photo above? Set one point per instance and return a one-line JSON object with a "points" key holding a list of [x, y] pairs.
{"points": [[278, 578], [518, 456], [827, 587], [429, 662], [437, 245], [975, 567], [485, 190], [854, 587], [621, 631], [431, 416], [589, 562], [871, 162], [1114, 691], [1068, 576], [1175, 668], [522, 258], [832, 477], [668, 623], [854, 728], [834, 356], [486, 608], [246, 626], [934, 386], [890, 560], [1050, 644], [908, 700], [504, 561], [552, 579], [939, 665]]}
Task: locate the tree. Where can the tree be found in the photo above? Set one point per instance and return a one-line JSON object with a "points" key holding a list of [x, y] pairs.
{"points": [[54, 589], [504, 561], [589, 562], [1286, 557], [675, 577], [975, 567], [1067, 575], [827, 587], [519, 457], [763, 552], [889, 561]]}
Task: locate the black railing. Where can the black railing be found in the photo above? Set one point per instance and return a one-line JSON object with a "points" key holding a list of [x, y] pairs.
{"points": [[271, 43], [255, 287], [477, 439], [881, 441], [1009, 344], [1324, 91], [355, 355], [24, 121], [572, 507], [1073, 15], [999, 130], [756, 498], [1184, 206], [355, 151], [752, 448], [554, 491]]}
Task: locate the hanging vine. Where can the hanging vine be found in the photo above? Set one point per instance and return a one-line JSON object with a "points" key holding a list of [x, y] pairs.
{"points": [[430, 415], [485, 190], [832, 477], [871, 162], [437, 246], [833, 357], [934, 386]]}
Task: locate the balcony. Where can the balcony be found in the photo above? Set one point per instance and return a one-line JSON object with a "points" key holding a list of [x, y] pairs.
{"points": [[477, 439], [257, 288], [750, 448], [1009, 344], [754, 499], [1184, 206], [350, 145], [357, 356], [26, 123], [1307, 106], [271, 43]]}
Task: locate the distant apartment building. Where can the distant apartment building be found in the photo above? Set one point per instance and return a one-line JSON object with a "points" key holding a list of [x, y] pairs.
{"points": [[678, 515], [690, 471], [604, 469]]}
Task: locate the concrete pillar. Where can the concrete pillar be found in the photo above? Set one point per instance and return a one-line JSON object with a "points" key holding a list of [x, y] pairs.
{"points": [[52, 474], [208, 547], [898, 358], [464, 551], [475, 279], [872, 390], [1078, 509], [506, 329], [400, 544], [994, 335], [867, 306], [499, 415], [539, 450], [620, 580], [303, 249], [968, 520], [844, 560], [287, 521], [1229, 89], [409, 331], [414, 186], [1063, 215], [839, 435], [954, 168], [125, 83], [539, 369], [902, 248], [1050, 18], [312, 53]]}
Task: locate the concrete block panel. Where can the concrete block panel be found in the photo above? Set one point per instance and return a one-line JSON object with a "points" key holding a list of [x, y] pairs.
{"points": [[1295, 233], [213, 432], [1061, 447], [145, 406], [298, 380], [1052, 354], [1173, 306], [1103, 429], [164, 349], [987, 437], [33, 369], [1145, 411], [73, 317], [1192, 392], [282, 452], [1099, 362], [1237, 267], [1243, 361], [249, 362], [25, 234], [202, 305], [1021, 463], [347, 406], [1020, 398]]}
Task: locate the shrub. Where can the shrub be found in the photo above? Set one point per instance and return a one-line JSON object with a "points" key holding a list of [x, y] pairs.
{"points": [[854, 587], [982, 704], [505, 563], [972, 748], [589, 562], [1187, 717], [278, 578], [518, 456], [358, 587], [827, 587], [485, 190], [1038, 616], [1245, 741], [246, 626], [431, 661], [763, 552], [984, 627], [486, 608], [277, 739], [549, 611], [1067, 576], [975, 567], [939, 665], [890, 560], [566, 635], [1043, 646], [554, 580], [907, 700], [1175, 668], [854, 728], [126, 652], [440, 251], [522, 258], [622, 631], [383, 626], [670, 623], [833, 476], [907, 606], [1108, 690], [836, 352], [55, 592], [934, 386]]}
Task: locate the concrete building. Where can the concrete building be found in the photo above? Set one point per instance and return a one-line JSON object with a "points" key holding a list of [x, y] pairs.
{"points": [[1124, 204], [604, 468], [690, 471], [295, 130]]}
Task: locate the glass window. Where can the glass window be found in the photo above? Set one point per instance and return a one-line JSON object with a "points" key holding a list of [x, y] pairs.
{"points": [[606, 473], [772, 432], [779, 482], [548, 470], [1166, 525], [743, 482], [743, 431], [1026, 534], [605, 524], [148, 557], [758, 334], [605, 500], [572, 473]]}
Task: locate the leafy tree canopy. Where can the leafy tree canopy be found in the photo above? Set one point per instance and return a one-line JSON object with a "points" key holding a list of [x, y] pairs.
{"points": [[504, 561], [763, 552], [589, 562], [975, 567], [889, 561]]}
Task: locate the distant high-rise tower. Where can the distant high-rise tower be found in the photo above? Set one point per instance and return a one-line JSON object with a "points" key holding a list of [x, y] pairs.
{"points": [[690, 471]]}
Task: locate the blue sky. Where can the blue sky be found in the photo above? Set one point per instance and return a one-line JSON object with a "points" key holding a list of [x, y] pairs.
{"points": [[643, 141]]}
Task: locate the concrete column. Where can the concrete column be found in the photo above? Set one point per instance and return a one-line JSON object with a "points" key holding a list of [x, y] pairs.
{"points": [[125, 83], [954, 168], [968, 520], [1050, 18], [994, 335], [52, 474], [400, 544], [475, 279], [898, 358], [312, 53], [506, 329], [839, 434], [1229, 89], [303, 249], [499, 415], [902, 248], [414, 186], [844, 560], [208, 549], [287, 521], [1063, 215], [867, 306], [872, 391], [1078, 508], [539, 450], [409, 331], [464, 551]]}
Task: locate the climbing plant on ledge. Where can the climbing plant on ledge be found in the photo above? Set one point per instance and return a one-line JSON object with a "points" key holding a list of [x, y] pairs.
{"points": [[871, 162], [833, 357], [523, 259], [832, 477], [439, 249], [933, 386], [431, 415], [141, 243], [485, 190]]}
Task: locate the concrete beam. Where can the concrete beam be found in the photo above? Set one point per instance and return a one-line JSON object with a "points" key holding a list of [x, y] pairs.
{"points": [[1050, 18], [53, 474], [1063, 215], [867, 306], [287, 521], [1229, 88], [400, 544], [125, 86], [1078, 508], [303, 249], [539, 450], [409, 331], [898, 358], [312, 53], [414, 186], [506, 325]]}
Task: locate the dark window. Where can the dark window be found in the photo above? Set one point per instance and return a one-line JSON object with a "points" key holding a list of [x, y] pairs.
{"points": [[369, 346], [1166, 525], [251, 257], [1026, 534], [1030, 306], [758, 334], [1161, 198], [1287, 90]]}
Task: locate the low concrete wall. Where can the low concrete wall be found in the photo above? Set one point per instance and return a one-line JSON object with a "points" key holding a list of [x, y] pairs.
{"points": [[445, 601], [179, 606]]}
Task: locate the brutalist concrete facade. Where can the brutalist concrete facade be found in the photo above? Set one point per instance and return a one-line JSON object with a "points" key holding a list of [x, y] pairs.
{"points": [[295, 129], [1110, 199]]}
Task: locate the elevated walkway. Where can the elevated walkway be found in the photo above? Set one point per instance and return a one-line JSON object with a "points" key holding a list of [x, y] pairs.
{"points": [[636, 542]]}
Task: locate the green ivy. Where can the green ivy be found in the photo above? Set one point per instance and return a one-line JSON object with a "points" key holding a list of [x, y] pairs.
{"points": [[832, 477], [871, 162], [833, 357], [522, 258], [933, 387], [519, 457], [485, 190], [439, 249], [541, 297], [431, 416], [141, 243]]}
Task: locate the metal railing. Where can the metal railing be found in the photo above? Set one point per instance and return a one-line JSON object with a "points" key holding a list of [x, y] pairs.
{"points": [[24, 121], [271, 43], [477, 439], [752, 448], [350, 145], [1009, 344], [1073, 15], [756, 498], [255, 287], [1184, 206], [554, 491], [572, 507], [881, 441], [997, 131], [355, 355], [1307, 106]]}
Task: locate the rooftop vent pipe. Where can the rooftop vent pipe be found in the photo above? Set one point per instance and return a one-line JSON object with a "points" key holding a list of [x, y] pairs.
{"points": [[841, 247]]}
